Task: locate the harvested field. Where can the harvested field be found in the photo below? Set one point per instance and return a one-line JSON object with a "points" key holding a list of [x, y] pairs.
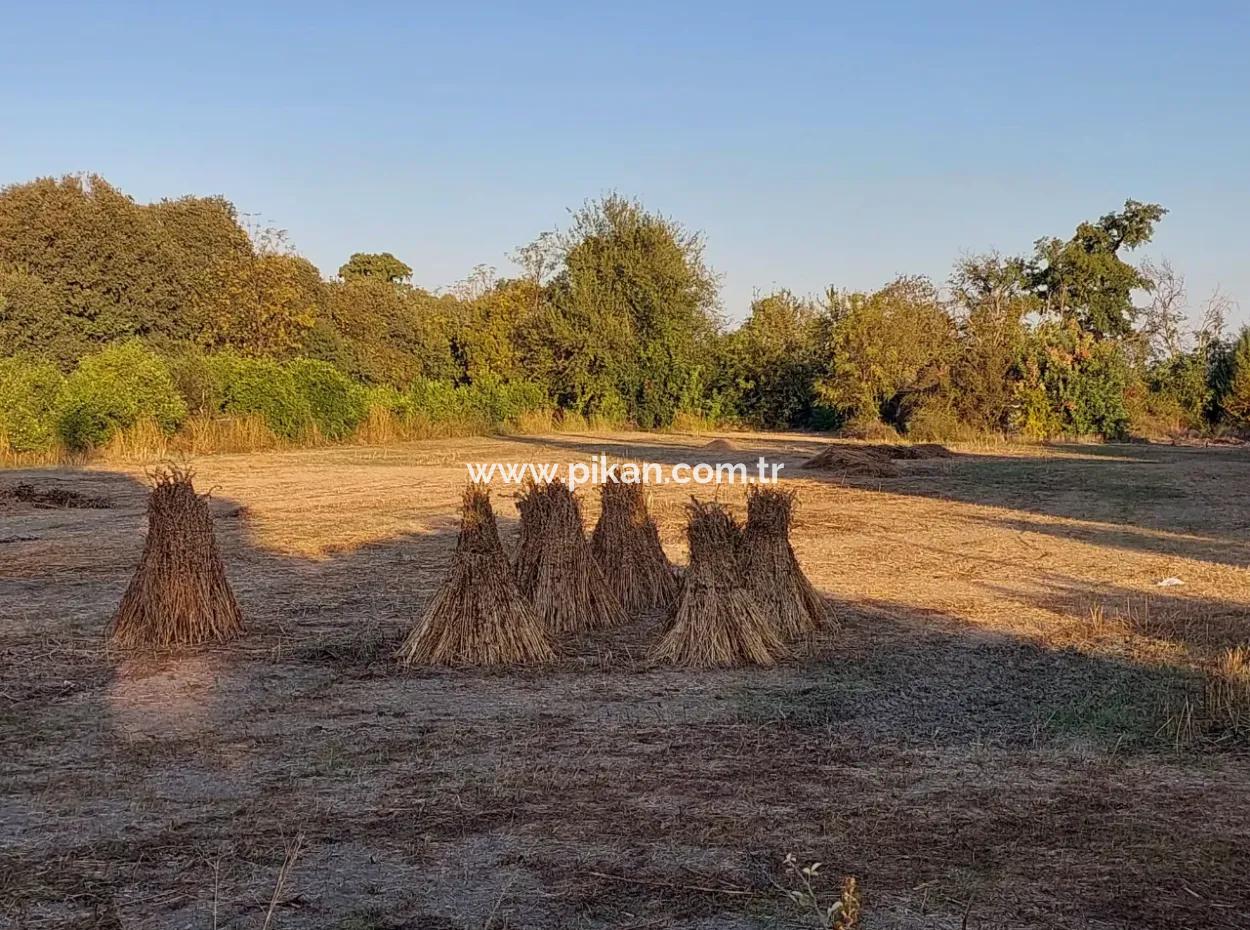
{"points": [[996, 734]]}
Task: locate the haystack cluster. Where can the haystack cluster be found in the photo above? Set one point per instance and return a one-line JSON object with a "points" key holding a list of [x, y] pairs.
{"points": [[741, 598]]}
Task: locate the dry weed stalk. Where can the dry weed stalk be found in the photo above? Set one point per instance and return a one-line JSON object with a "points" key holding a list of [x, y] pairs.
{"points": [[1226, 694], [770, 570], [715, 621], [179, 594], [478, 617], [626, 544], [556, 569]]}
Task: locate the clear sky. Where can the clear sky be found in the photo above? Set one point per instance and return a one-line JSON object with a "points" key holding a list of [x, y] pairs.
{"points": [[813, 143]]}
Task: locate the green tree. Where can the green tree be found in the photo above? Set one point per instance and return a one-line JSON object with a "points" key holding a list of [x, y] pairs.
{"points": [[1085, 279], [376, 266], [774, 360], [1235, 400], [630, 315], [100, 252], [887, 351], [991, 302]]}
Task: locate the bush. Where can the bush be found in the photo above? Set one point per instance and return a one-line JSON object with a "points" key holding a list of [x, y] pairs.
{"points": [[198, 383], [114, 389], [337, 404], [262, 386], [29, 392], [436, 401], [1072, 383], [937, 422], [496, 402]]}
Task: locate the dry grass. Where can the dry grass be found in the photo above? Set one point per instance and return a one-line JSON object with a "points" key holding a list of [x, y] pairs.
{"points": [[179, 594], [715, 621], [626, 544], [478, 617], [1226, 695], [770, 570], [555, 567], [984, 719]]}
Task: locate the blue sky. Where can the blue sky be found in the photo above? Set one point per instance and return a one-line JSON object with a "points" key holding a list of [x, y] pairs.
{"points": [[813, 143]]}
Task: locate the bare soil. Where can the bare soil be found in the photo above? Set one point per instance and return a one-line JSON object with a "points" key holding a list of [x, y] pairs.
{"points": [[982, 742]]}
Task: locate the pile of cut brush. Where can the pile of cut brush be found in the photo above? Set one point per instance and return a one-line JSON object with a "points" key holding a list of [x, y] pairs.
{"points": [[716, 621], [51, 498], [872, 461]]}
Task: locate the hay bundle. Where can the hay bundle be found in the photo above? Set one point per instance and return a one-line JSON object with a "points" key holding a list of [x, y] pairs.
{"points": [[770, 570], [179, 594], [560, 576], [715, 621], [865, 462], [531, 504], [626, 545], [478, 616]]}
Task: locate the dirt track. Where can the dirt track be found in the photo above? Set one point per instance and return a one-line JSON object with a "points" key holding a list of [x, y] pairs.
{"points": [[980, 740]]}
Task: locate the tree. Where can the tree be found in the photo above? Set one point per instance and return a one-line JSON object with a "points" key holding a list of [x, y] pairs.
{"points": [[1084, 279], [268, 307], [991, 300], [887, 351], [1235, 401], [377, 266], [98, 250], [773, 360], [631, 314]]}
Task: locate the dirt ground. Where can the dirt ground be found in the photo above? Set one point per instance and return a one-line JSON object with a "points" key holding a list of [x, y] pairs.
{"points": [[982, 742]]}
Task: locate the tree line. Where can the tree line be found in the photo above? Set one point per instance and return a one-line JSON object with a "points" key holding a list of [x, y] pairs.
{"points": [[114, 312]]}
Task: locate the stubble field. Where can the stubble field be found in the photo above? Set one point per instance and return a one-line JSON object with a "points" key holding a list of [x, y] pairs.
{"points": [[989, 738]]}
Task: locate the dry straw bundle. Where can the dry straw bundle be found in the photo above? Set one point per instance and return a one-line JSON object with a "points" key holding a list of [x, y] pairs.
{"points": [[478, 616], [179, 594], [560, 575], [626, 544], [770, 570], [715, 621], [531, 504]]}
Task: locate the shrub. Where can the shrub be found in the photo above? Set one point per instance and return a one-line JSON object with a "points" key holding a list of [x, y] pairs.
{"points": [[337, 404], [496, 402], [198, 383], [262, 386], [870, 429], [1072, 383], [114, 389], [937, 422], [436, 401], [29, 391]]}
